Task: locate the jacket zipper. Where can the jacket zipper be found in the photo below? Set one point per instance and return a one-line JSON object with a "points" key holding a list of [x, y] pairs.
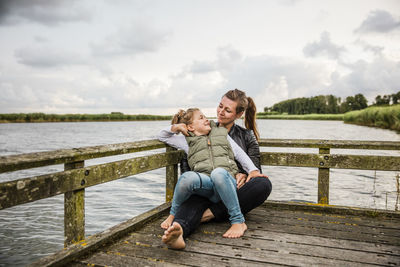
{"points": [[211, 153]]}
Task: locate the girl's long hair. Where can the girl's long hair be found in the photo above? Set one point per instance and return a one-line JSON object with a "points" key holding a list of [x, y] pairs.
{"points": [[247, 105], [183, 116]]}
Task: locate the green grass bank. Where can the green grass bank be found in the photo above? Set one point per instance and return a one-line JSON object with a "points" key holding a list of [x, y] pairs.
{"points": [[42, 117], [383, 117], [300, 117]]}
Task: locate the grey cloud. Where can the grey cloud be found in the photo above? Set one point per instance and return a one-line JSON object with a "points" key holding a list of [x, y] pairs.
{"points": [[139, 38], [370, 78], [46, 12], [46, 57], [379, 21], [324, 47], [202, 67], [376, 50], [227, 57]]}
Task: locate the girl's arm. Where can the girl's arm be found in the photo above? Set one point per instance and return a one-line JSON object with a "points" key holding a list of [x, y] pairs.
{"points": [[173, 139], [242, 157]]}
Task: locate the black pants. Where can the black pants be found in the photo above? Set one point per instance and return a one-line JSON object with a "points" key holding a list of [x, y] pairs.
{"points": [[251, 195]]}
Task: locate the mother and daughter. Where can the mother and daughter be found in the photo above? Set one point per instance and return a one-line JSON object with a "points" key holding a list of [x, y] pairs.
{"points": [[221, 158]]}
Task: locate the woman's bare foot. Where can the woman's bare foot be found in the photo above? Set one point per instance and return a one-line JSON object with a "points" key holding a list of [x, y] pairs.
{"points": [[207, 216], [173, 237], [237, 230], [167, 223]]}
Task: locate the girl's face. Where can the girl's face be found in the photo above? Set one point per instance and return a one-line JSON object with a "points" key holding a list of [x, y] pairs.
{"points": [[200, 124], [226, 111]]}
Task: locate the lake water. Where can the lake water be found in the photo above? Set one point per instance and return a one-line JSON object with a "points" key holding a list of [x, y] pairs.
{"points": [[34, 230]]}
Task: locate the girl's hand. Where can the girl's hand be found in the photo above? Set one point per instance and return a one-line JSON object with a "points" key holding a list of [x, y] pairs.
{"points": [[240, 180], [255, 173], [180, 128]]}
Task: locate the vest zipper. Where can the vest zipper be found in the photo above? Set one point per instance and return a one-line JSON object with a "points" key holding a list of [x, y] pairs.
{"points": [[211, 153]]}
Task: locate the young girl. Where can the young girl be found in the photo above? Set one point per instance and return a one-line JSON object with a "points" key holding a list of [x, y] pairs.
{"points": [[211, 156]]}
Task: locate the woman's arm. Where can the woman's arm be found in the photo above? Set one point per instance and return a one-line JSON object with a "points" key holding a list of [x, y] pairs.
{"points": [[253, 149], [242, 157], [173, 139]]}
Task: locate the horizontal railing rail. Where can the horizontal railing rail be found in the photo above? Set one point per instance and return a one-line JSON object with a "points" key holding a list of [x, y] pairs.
{"points": [[38, 187], [324, 160], [76, 177], [320, 143], [40, 159]]}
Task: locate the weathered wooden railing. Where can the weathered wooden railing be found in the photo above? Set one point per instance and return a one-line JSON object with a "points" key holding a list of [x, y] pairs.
{"points": [[325, 161], [75, 178]]}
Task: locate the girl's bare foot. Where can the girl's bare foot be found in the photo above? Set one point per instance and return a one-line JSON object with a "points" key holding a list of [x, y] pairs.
{"points": [[207, 216], [237, 230], [173, 237], [167, 223]]}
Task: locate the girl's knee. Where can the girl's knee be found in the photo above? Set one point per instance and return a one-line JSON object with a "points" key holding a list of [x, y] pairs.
{"points": [[219, 172], [187, 180], [220, 175]]}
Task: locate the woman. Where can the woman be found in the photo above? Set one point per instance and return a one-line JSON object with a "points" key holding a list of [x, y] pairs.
{"points": [[251, 192]]}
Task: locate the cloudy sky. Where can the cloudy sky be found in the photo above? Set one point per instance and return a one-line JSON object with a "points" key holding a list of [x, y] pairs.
{"points": [[154, 56]]}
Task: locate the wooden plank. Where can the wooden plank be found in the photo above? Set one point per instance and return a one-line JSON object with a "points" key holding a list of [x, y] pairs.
{"points": [[323, 180], [171, 178], [320, 143], [150, 246], [264, 242], [378, 223], [217, 229], [331, 231], [118, 259], [348, 226], [74, 211], [30, 189], [362, 162], [330, 209], [226, 248], [96, 241], [38, 159]]}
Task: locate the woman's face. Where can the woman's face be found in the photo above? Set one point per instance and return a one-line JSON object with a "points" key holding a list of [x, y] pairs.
{"points": [[226, 111]]}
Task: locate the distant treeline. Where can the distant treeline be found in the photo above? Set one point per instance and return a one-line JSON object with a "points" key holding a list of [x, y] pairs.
{"points": [[387, 117], [330, 104], [42, 117]]}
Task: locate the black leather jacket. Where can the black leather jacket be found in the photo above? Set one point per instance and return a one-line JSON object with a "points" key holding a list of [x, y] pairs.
{"points": [[245, 139]]}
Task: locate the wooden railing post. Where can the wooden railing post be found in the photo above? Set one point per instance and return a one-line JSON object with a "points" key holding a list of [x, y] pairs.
{"points": [[323, 179], [74, 210], [171, 178]]}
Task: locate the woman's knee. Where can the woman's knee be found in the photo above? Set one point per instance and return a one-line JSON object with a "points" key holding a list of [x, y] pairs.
{"points": [[262, 185]]}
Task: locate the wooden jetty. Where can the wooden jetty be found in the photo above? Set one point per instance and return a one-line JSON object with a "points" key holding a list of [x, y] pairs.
{"points": [[280, 233]]}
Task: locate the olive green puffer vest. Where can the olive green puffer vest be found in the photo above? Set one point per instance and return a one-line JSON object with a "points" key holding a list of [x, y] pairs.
{"points": [[207, 152]]}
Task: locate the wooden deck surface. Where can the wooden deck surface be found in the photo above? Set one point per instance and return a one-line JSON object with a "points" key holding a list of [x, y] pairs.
{"points": [[276, 236]]}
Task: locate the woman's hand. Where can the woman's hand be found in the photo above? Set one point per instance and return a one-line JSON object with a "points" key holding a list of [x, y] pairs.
{"points": [[240, 180], [180, 128], [255, 173]]}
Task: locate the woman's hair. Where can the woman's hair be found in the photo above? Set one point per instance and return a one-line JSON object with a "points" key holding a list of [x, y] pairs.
{"points": [[185, 117], [247, 105]]}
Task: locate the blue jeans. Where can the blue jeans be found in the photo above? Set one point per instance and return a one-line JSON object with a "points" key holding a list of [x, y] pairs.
{"points": [[220, 185]]}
